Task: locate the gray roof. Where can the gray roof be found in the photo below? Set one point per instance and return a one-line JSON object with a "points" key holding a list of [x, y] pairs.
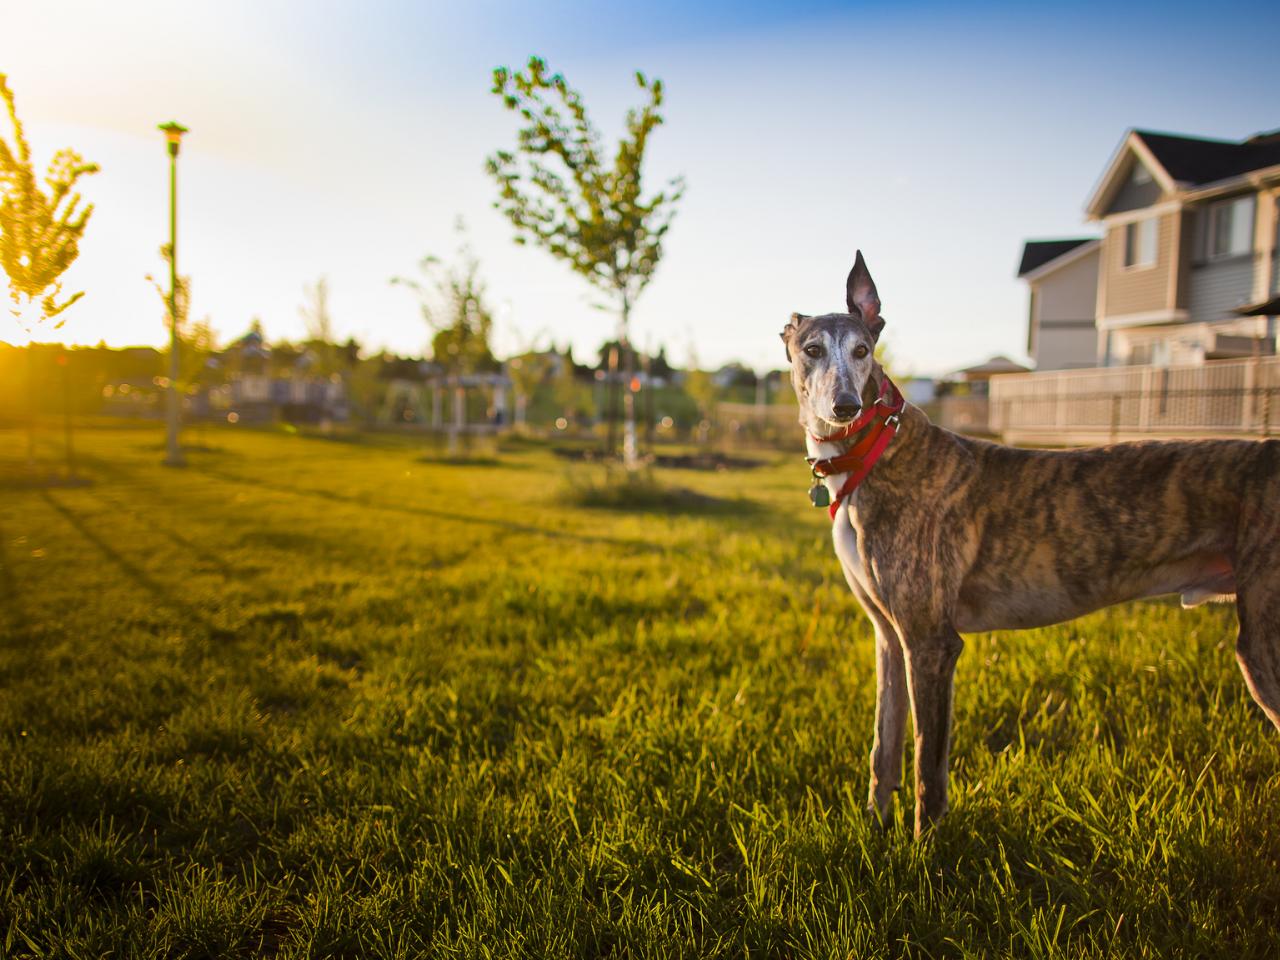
{"points": [[997, 364], [1036, 253]]}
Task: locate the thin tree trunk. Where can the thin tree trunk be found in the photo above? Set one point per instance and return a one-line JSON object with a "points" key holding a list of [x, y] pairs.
{"points": [[459, 418], [31, 408], [648, 397], [630, 451], [66, 417], [611, 402]]}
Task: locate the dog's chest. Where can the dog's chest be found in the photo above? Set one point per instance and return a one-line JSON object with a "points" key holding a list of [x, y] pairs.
{"points": [[845, 537]]}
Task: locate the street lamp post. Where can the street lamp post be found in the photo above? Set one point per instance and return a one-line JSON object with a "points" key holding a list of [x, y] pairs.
{"points": [[173, 132]]}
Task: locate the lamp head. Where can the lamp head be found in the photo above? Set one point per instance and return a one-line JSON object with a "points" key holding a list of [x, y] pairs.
{"points": [[173, 132]]}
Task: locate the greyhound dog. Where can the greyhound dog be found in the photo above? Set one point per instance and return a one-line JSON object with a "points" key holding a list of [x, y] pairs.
{"points": [[940, 534]]}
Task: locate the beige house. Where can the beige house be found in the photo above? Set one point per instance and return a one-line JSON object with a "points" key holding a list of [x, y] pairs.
{"points": [[1063, 279], [1189, 245]]}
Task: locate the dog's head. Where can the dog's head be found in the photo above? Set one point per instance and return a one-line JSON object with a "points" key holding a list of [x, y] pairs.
{"points": [[833, 365]]}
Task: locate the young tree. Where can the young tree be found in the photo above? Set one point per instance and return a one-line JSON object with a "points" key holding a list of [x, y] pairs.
{"points": [[40, 231], [366, 388], [319, 326], [701, 387], [197, 342], [452, 302], [198, 346], [528, 372], [315, 311], [181, 304], [559, 191], [570, 398]]}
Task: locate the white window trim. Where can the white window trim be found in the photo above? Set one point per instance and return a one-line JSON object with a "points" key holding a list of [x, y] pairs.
{"points": [[1146, 318], [1128, 216]]}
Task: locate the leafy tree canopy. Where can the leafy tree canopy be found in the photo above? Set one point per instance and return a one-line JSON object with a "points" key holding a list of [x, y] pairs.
{"points": [[40, 229], [559, 191]]}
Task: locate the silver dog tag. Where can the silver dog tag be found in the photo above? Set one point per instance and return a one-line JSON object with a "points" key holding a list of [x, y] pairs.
{"points": [[819, 495]]}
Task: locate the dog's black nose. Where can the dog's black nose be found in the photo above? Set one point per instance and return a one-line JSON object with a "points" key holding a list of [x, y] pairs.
{"points": [[846, 406]]}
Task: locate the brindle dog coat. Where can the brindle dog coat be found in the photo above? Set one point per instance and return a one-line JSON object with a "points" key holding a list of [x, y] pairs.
{"points": [[951, 535]]}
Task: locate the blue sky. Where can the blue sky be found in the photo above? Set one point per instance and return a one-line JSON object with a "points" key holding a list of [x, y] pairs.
{"points": [[344, 140]]}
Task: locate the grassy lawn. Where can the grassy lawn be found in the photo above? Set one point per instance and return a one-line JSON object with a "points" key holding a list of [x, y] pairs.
{"points": [[314, 698]]}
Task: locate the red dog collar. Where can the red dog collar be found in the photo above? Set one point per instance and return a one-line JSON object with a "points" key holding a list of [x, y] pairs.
{"points": [[889, 397], [880, 421]]}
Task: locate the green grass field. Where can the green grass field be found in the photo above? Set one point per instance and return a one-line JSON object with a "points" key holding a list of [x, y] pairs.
{"points": [[319, 698]]}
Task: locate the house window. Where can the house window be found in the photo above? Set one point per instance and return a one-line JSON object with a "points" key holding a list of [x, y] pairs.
{"points": [[1230, 232], [1140, 243], [1140, 175]]}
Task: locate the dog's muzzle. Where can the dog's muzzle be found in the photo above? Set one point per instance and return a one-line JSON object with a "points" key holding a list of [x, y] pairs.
{"points": [[846, 407]]}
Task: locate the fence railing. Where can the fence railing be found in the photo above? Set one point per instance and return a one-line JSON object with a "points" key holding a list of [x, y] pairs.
{"points": [[1218, 398]]}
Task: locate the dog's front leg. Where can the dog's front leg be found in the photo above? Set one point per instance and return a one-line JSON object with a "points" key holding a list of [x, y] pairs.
{"points": [[931, 660], [891, 721]]}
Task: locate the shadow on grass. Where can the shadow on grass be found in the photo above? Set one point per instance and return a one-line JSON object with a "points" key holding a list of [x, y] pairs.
{"points": [[165, 595], [443, 460], [434, 444], [706, 461], [709, 460], [488, 521], [10, 599], [352, 438], [24, 478], [641, 492], [153, 523], [189, 448]]}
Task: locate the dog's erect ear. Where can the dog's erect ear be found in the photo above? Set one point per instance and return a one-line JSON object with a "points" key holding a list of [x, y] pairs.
{"points": [[790, 330], [860, 295]]}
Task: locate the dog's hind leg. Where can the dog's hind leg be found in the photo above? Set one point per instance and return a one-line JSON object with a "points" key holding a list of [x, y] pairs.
{"points": [[931, 662], [1258, 645], [891, 720]]}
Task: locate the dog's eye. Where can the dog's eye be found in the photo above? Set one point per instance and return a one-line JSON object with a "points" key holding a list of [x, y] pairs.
{"points": [[814, 350], [860, 351]]}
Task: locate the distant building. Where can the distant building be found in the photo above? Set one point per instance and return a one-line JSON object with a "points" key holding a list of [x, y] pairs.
{"points": [[962, 394], [1190, 239], [1188, 259], [980, 374], [1063, 279], [260, 386], [919, 390]]}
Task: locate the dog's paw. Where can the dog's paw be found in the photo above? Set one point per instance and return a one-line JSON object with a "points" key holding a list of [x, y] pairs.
{"points": [[883, 819]]}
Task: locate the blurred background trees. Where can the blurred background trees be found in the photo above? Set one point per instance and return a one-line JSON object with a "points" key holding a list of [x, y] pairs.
{"points": [[451, 299], [324, 353]]}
